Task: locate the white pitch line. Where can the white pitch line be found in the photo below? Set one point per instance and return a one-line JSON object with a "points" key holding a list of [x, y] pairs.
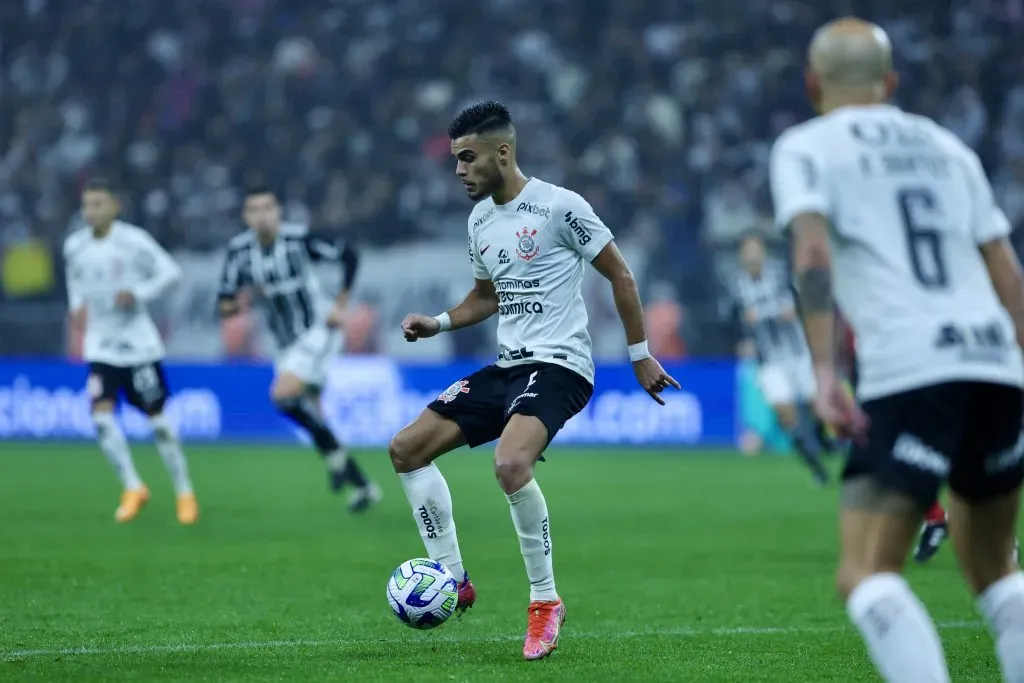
{"points": [[682, 632]]}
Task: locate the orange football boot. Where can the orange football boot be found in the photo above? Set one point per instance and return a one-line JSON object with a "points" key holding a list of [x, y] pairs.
{"points": [[545, 622], [188, 508], [131, 502]]}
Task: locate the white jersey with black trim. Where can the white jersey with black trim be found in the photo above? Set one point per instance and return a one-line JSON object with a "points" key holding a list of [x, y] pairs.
{"points": [[535, 249], [909, 206], [125, 259]]}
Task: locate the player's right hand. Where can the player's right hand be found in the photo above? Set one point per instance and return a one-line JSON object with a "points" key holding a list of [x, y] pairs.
{"points": [[837, 407], [419, 326]]}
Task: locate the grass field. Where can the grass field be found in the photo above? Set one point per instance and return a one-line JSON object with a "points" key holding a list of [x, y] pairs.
{"points": [[673, 567]]}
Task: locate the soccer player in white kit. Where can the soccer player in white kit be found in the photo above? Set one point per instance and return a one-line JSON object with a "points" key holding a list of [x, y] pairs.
{"points": [[900, 213], [529, 242], [113, 271]]}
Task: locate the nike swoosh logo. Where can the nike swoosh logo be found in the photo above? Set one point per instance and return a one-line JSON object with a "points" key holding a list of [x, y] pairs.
{"points": [[484, 250]]}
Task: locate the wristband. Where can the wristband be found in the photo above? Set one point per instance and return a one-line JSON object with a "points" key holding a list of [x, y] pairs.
{"points": [[445, 321], [638, 351]]}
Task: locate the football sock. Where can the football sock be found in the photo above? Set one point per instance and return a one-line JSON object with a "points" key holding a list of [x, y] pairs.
{"points": [[169, 447], [1002, 603], [936, 514], [302, 412], [530, 516], [901, 638], [113, 444], [431, 503]]}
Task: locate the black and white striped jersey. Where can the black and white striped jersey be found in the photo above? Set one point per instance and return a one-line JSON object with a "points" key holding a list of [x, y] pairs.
{"points": [[766, 309], [282, 277]]}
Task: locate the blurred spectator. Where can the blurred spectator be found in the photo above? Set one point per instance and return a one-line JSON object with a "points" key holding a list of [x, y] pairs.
{"points": [[660, 113]]}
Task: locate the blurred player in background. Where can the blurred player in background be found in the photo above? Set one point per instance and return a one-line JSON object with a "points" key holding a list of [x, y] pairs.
{"points": [[902, 213], [529, 242], [766, 309], [275, 259], [113, 271]]}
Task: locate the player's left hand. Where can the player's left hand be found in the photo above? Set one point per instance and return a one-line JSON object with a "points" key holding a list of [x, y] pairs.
{"points": [[124, 299], [336, 318], [653, 378]]}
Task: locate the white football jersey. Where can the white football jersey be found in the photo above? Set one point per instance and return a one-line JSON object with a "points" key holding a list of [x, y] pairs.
{"points": [[127, 258], [909, 205], [534, 249]]}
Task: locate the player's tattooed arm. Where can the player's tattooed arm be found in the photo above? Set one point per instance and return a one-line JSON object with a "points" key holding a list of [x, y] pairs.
{"points": [[1005, 270], [812, 265]]}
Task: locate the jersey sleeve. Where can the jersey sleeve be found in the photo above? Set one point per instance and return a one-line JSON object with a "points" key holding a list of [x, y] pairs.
{"points": [[322, 248], [988, 222], [797, 180], [231, 279], [581, 229], [160, 270]]}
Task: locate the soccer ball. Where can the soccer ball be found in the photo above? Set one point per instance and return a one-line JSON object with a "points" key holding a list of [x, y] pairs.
{"points": [[422, 593]]}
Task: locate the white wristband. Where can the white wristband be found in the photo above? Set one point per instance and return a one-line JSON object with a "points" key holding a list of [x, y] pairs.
{"points": [[638, 351], [444, 320]]}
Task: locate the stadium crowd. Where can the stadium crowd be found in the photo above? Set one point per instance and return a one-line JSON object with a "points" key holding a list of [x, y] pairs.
{"points": [[660, 113]]}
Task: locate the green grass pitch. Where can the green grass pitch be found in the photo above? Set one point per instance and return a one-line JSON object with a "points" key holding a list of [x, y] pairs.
{"points": [[674, 567]]}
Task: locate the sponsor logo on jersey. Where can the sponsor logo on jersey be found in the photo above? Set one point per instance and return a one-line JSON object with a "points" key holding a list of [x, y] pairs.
{"points": [[516, 354], [483, 219], [542, 211], [484, 249], [527, 248], [503, 258], [452, 392], [520, 308], [581, 231]]}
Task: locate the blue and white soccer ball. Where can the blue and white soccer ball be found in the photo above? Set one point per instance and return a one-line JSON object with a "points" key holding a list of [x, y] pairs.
{"points": [[423, 593]]}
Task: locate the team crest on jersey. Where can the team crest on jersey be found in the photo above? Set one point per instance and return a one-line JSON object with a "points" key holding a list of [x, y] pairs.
{"points": [[452, 392], [528, 247]]}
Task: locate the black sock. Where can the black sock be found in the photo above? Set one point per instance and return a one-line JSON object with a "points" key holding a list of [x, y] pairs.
{"points": [[304, 415], [355, 473]]}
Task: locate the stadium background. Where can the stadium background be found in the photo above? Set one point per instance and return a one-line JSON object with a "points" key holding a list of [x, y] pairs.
{"points": [[661, 114]]}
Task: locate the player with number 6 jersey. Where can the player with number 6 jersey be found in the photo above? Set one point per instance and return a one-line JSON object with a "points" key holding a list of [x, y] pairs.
{"points": [[113, 271], [899, 213], [529, 243]]}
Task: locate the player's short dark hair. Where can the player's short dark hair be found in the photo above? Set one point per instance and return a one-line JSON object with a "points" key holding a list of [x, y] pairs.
{"points": [[482, 117], [100, 184], [258, 189]]}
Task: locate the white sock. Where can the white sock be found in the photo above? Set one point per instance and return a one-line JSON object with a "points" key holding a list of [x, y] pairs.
{"points": [[900, 636], [530, 516], [169, 447], [113, 444], [337, 460], [1003, 606], [431, 502]]}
